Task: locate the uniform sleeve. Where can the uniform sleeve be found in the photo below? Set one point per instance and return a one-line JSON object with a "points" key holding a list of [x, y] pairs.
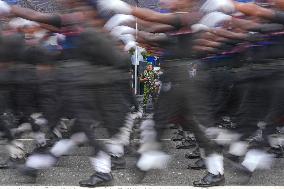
{"points": [[56, 21], [187, 19], [278, 17], [143, 75], [268, 28], [98, 47], [155, 75], [72, 18]]}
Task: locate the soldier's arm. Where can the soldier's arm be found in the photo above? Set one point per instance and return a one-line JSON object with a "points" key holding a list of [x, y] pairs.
{"points": [[176, 20], [153, 37], [142, 78], [57, 20], [155, 75], [252, 9], [152, 27], [36, 16]]}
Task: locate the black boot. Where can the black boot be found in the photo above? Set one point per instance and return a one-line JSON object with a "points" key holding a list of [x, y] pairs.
{"points": [[28, 171], [186, 144], [193, 155], [177, 137], [97, 179], [179, 132], [144, 110], [198, 165], [235, 162], [40, 149], [140, 174], [118, 163], [210, 180], [12, 163], [278, 152], [4, 165]]}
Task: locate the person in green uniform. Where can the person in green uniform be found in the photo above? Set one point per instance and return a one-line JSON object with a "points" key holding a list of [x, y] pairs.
{"points": [[149, 77]]}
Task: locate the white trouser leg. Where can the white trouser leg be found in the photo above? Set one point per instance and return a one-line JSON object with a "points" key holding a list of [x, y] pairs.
{"points": [[214, 164], [40, 161], [153, 160], [63, 147], [116, 150], [257, 159], [123, 137], [238, 148], [101, 162]]}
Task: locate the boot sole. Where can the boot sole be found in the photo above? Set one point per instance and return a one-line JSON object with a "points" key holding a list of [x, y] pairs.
{"points": [[177, 139], [221, 183], [108, 183], [118, 167], [240, 170], [5, 167], [197, 168], [184, 147], [192, 157]]}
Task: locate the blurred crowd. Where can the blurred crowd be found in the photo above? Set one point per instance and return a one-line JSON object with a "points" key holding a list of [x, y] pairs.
{"points": [[221, 84]]}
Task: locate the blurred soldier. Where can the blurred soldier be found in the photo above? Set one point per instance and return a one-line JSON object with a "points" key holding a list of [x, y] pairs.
{"points": [[11, 48], [92, 89]]}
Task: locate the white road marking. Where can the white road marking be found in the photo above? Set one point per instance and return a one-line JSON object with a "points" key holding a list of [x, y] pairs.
{"points": [[141, 187]]}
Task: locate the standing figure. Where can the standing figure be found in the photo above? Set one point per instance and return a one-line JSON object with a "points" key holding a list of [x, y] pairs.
{"points": [[149, 79]]}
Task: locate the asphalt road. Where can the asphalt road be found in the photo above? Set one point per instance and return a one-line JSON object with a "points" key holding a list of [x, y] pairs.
{"points": [[71, 169]]}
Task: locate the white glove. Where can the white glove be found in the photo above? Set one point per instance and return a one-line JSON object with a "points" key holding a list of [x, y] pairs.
{"points": [[4, 7], [130, 45], [225, 6], [16, 149], [118, 19], [126, 38], [116, 6], [120, 30], [199, 27], [60, 37], [20, 23], [214, 18]]}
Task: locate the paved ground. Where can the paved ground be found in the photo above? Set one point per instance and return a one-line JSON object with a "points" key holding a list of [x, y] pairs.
{"points": [[73, 168]]}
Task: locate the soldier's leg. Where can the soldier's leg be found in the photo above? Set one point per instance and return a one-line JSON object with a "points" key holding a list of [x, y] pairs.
{"points": [[254, 95], [8, 122], [167, 106], [114, 109], [24, 96], [146, 95], [80, 105], [202, 104], [48, 99]]}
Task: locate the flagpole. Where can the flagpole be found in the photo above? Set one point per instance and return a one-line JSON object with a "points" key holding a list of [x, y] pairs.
{"points": [[136, 57]]}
